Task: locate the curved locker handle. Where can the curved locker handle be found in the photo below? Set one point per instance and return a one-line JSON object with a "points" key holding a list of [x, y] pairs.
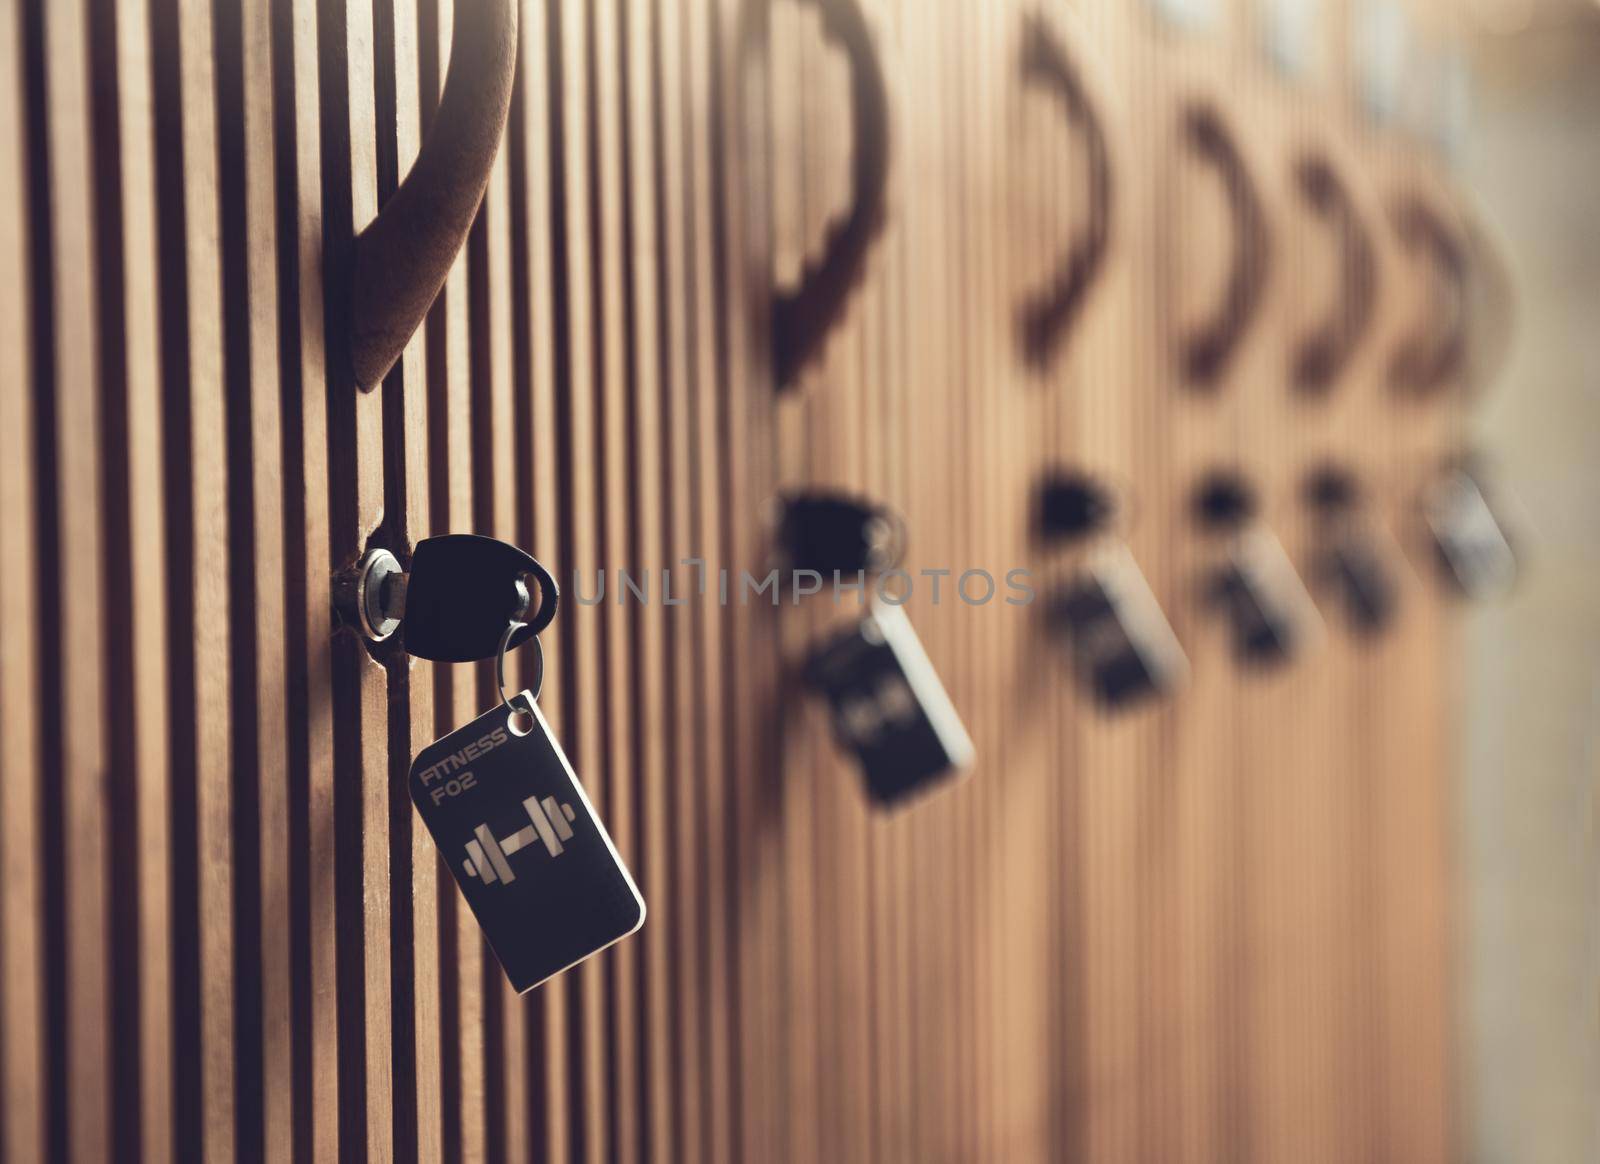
{"points": [[1048, 319], [1322, 356], [404, 255], [1208, 351], [802, 318], [1428, 361]]}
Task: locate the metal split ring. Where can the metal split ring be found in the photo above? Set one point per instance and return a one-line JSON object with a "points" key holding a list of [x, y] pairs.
{"points": [[512, 627]]}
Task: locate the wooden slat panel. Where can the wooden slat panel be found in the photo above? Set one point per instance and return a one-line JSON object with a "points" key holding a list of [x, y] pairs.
{"points": [[1218, 929]]}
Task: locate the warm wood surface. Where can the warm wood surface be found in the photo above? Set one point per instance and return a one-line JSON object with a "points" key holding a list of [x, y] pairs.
{"points": [[1215, 929]]}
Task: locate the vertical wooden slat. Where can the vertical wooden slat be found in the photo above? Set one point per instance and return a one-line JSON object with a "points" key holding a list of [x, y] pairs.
{"points": [[194, 469], [581, 675], [615, 355], [535, 145], [429, 942], [68, 462], [367, 438], [978, 138], [202, 729], [953, 243], [258, 216], [22, 1065], [356, 489], [120, 736], [494, 505], [240, 308], [647, 753], [795, 202], [1278, 907], [889, 1124], [1350, 681], [918, 395], [857, 820], [427, 1124], [416, 1075], [130, 516], [449, 430], [310, 775], [683, 747], [123, 845], [711, 486], [740, 120], [833, 434], [457, 704]]}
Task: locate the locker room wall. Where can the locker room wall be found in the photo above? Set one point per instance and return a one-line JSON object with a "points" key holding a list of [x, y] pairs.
{"points": [[1218, 929]]}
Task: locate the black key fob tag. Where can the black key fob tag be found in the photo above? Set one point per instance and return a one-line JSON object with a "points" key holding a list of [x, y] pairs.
{"points": [[1273, 617], [525, 846], [1475, 554], [1121, 641], [889, 707], [1357, 571]]}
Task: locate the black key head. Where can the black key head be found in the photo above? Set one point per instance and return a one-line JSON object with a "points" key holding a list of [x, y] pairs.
{"points": [[463, 592], [829, 532]]}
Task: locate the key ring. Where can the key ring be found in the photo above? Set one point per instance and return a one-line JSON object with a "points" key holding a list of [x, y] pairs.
{"points": [[516, 624]]}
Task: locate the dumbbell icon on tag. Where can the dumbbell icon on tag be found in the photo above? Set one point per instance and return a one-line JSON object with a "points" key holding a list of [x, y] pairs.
{"points": [[864, 720], [486, 857]]}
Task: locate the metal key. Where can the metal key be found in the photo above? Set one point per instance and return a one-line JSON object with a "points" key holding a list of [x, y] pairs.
{"points": [[461, 592]]}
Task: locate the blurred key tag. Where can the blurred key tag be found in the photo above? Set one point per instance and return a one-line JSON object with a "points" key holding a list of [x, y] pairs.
{"points": [[1474, 551], [889, 707], [1273, 617], [530, 855], [1121, 641], [1356, 568], [1351, 552]]}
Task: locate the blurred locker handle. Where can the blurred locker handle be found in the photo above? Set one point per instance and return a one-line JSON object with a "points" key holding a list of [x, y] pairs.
{"points": [[1208, 351], [1323, 355], [1432, 358], [801, 319], [405, 253], [1048, 319]]}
